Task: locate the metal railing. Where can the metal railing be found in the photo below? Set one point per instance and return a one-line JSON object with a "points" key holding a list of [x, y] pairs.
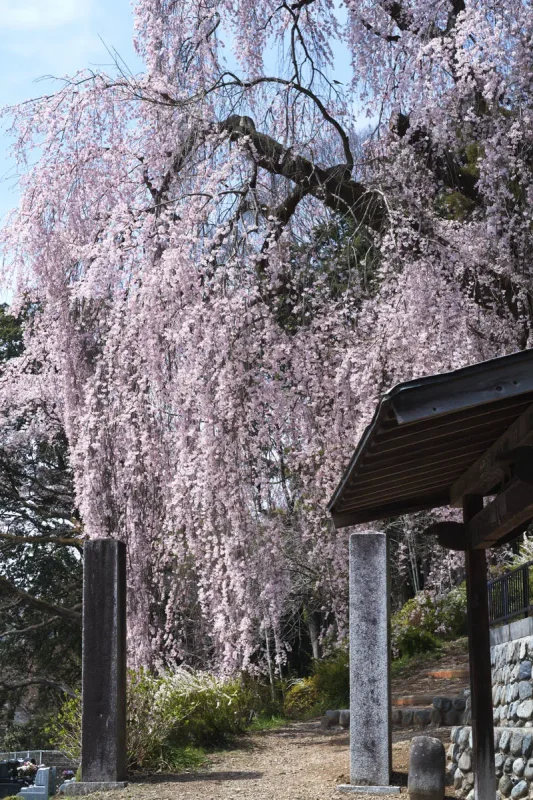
{"points": [[510, 595]]}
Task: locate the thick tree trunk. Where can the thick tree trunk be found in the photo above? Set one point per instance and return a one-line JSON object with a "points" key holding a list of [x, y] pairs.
{"points": [[313, 626]]}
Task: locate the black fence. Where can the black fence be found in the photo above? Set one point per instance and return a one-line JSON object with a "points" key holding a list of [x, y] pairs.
{"points": [[510, 595]]}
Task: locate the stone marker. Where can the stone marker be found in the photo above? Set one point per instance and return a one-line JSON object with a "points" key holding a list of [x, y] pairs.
{"points": [[370, 698], [427, 769], [344, 718], [103, 758], [330, 719]]}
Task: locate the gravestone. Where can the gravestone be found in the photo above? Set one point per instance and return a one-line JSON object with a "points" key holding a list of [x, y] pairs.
{"points": [[43, 786]]}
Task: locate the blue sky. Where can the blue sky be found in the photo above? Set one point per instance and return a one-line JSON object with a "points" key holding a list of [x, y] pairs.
{"points": [[54, 37]]}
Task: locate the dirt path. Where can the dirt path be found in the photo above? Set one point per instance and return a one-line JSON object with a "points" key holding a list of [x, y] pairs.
{"points": [[297, 762]]}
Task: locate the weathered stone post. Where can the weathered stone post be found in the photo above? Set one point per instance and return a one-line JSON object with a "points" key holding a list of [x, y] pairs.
{"points": [[370, 698], [103, 759]]}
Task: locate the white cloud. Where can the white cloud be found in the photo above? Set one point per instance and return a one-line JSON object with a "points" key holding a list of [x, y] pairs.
{"points": [[39, 14]]}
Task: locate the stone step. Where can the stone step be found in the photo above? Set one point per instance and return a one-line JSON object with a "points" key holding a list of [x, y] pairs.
{"points": [[443, 711], [448, 674], [413, 700], [455, 701]]}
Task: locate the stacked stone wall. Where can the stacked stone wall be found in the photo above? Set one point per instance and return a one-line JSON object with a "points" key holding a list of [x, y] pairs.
{"points": [[513, 762], [512, 685], [512, 696]]}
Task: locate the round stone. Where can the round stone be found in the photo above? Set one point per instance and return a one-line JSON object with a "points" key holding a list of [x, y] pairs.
{"points": [[505, 740], [518, 767], [422, 716], [524, 671], [525, 690], [452, 717], [463, 736], [330, 719], [436, 717], [527, 745], [344, 718], [499, 761], [465, 762], [525, 709], [505, 786], [520, 790], [508, 766], [515, 745], [528, 772], [442, 703], [457, 779], [407, 717]]}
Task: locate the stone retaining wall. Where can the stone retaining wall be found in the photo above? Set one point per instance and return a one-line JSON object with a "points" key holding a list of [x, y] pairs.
{"points": [[512, 685], [513, 761], [444, 711]]}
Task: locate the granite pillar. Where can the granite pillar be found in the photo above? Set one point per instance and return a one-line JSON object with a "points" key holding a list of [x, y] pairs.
{"points": [[103, 756], [370, 700]]}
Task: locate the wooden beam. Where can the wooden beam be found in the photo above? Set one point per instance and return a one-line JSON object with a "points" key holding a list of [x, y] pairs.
{"points": [[510, 509], [450, 535], [479, 650], [492, 466]]}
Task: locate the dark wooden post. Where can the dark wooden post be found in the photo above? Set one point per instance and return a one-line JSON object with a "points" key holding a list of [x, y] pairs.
{"points": [[480, 671], [103, 748]]}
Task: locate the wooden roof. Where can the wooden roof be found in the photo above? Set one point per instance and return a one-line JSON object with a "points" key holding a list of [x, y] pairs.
{"points": [[427, 433]]}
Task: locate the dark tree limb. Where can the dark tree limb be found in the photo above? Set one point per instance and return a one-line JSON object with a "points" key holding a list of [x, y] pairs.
{"points": [[10, 537], [36, 627], [332, 185], [308, 93], [48, 682], [70, 614]]}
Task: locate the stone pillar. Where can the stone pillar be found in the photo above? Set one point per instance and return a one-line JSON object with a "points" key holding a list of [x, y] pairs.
{"points": [[103, 758], [370, 698]]}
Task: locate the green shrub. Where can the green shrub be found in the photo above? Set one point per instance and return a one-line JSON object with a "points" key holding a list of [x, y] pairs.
{"points": [[301, 699], [331, 677], [169, 718], [31, 735], [65, 729], [412, 642], [425, 618], [452, 614]]}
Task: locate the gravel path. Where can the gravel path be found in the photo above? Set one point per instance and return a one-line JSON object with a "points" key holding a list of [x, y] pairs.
{"points": [[297, 762]]}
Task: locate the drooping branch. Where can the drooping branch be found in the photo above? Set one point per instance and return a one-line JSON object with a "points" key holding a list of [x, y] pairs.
{"points": [[70, 614]]}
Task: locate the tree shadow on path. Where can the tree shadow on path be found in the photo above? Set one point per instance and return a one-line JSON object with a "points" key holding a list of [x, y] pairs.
{"points": [[189, 777]]}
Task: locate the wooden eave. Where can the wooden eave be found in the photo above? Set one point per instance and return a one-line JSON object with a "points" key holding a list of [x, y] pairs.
{"points": [[426, 444]]}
